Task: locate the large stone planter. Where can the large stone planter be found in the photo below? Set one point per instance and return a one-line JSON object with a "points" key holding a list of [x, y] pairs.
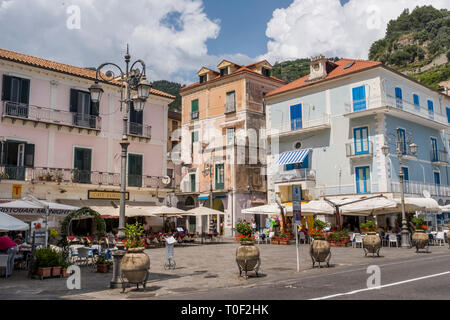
{"points": [[320, 252], [372, 244], [247, 258], [420, 240], [134, 266]]}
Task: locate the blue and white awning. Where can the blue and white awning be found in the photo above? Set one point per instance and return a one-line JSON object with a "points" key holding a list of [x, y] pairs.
{"points": [[293, 156]]}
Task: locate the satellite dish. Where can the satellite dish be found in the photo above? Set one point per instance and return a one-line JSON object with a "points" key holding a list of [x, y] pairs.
{"points": [[426, 194], [166, 180]]}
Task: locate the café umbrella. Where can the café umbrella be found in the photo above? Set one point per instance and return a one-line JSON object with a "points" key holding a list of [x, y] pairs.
{"points": [[9, 223]]}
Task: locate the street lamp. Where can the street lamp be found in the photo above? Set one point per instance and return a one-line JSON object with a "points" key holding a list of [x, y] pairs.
{"points": [[133, 79], [400, 154]]}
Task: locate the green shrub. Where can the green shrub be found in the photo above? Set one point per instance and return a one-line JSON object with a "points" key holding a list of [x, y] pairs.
{"points": [[46, 257], [319, 224], [244, 228]]}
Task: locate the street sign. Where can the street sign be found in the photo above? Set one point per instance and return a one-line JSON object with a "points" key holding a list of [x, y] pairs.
{"points": [[296, 205], [17, 191]]}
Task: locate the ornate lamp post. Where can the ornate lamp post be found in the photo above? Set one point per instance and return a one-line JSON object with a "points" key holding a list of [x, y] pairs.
{"points": [[132, 80], [401, 152]]}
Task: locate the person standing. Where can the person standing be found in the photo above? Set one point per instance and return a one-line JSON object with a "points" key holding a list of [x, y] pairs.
{"points": [[253, 225], [10, 247]]}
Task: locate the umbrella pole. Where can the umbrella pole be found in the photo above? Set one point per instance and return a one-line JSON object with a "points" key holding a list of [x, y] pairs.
{"points": [[46, 225]]}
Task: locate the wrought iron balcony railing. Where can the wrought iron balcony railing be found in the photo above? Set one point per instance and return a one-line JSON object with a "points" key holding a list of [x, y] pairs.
{"points": [[439, 156], [298, 125], [139, 130], [357, 149], [52, 116], [417, 188], [296, 175]]}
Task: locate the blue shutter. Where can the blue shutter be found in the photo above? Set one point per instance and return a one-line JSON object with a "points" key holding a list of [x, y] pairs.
{"points": [[405, 173], [296, 117], [362, 179], [416, 101], [398, 98], [434, 150], [430, 109], [448, 114], [359, 98], [361, 140], [402, 138], [437, 178]]}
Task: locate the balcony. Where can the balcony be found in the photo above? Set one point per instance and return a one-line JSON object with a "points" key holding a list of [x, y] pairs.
{"points": [[75, 176], [439, 157], [139, 130], [194, 115], [353, 152], [295, 175], [36, 114], [296, 126], [417, 188], [396, 107]]}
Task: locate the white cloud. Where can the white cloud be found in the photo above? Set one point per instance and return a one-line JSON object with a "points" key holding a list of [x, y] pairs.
{"points": [[311, 27], [170, 35]]}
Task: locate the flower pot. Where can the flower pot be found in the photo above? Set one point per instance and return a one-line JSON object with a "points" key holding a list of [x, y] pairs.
{"points": [[135, 264], [102, 268], [274, 241], [64, 273], [372, 243], [44, 272], [420, 239], [247, 257], [56, 271], [319, 251]]}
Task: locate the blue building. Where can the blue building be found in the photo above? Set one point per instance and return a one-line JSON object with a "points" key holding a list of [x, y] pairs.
{"points": [[327, 130]]}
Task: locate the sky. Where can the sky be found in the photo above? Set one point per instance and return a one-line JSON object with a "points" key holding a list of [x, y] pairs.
{"points": [[176, 38]]}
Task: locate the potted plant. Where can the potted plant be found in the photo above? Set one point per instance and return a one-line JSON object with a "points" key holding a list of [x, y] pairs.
{"points": [[43, 263], [103, 264], [319, 249], [40, 177], [65, 266], [3, 175], [48, 177], [371, 242], [247, 254], [135, 263], [284, 238], [59, 176], [75, 175], [419, 237]]}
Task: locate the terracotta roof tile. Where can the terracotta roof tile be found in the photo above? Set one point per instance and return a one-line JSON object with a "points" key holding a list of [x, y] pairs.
{"points": [[339, 71], [60, 67]]}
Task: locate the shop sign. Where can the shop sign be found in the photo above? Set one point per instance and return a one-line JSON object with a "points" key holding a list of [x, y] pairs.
{"points": [[296, 204], [106, 195], [17, 191]]}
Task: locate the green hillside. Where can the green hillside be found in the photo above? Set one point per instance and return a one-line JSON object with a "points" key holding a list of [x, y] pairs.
{"points": [[293, 69], [417, 44], [172, 88]]}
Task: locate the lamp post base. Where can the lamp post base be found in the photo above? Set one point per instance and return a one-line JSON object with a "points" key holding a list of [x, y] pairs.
{"points": [[116, 281], [405, 239]]}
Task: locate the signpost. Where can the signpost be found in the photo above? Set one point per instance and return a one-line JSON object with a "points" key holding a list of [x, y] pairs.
{"points": [[296, 216]]}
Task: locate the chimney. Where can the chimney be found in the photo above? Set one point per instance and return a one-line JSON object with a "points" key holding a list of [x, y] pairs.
{"points": [[317, 68]]}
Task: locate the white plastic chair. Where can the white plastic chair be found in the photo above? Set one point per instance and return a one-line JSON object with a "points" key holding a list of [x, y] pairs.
{"points": [[4, 262], [440, 238], [83, 255], [357, 240], [393, 239], [271, 234], [302, 237]]}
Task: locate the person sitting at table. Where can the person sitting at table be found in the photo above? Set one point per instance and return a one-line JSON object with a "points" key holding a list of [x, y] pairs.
{"points": [[19, 239], [10, 247]]}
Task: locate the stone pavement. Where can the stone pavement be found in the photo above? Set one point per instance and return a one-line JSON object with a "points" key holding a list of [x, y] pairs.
{"points": [[200, 268]]}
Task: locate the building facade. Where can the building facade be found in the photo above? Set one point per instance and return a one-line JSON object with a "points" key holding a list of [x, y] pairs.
{"points": [[223, 150], [173, 146], [327, 130], [59, 146]]}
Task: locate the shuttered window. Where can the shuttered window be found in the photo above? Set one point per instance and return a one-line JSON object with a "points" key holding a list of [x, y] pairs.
{"points": [[359, 98], [194, 109], [16, 89], [134, 170], [231, 102]]}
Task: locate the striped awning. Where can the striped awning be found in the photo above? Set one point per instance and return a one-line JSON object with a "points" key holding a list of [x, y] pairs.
{"points": [[293, 156]]}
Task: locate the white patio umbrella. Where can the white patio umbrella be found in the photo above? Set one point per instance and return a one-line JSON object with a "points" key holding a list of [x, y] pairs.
{"points": [[445, 208], [317, 207], [202, 211], [265, 209], [418, 204], [368, 207], [9, 223], [160, 211]]}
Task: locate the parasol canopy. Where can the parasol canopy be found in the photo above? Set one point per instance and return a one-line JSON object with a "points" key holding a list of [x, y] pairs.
{"points": [[9, 223]]}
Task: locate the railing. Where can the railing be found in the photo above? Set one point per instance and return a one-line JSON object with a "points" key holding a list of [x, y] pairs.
{"points": [[296, 175], [295, 125], [229, 108], [392, 101], [417, 188], [47, 115], [58, 175], [194, 115], [359, 151], [140, 130], [439, 156]]}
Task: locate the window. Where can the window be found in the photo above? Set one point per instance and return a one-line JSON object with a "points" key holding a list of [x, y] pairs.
{"points": [[361, 140], [231, 133], [406, 178], [437, 178], [266, 72], [203, 78], [416, 101], [134, 170], [362, 179], [434, 150], [194, 109], [82, 165], [401, 137], [194, 138], [398, 98], [231, 102], [430, 109], [296, 117], [16, 91], [16, 156], [193, 182], [220, 176], [223, 72], [448, 114], [136, 121], [359, 98], [84, 111]]}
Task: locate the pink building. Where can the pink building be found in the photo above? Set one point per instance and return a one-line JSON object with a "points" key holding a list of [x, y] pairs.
{"points": [[57, 145]]}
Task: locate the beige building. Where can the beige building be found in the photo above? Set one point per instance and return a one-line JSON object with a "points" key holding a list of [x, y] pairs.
{"points": [[223, 147], [174, 139]]}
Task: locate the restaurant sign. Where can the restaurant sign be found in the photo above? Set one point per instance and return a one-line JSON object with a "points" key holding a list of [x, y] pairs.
{"points": [[108, 195], [296, 204], [34, 211]]}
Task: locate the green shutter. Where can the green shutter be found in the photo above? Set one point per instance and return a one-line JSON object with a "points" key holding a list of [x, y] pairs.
{"points": [[194, 105], [6, 88]]}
